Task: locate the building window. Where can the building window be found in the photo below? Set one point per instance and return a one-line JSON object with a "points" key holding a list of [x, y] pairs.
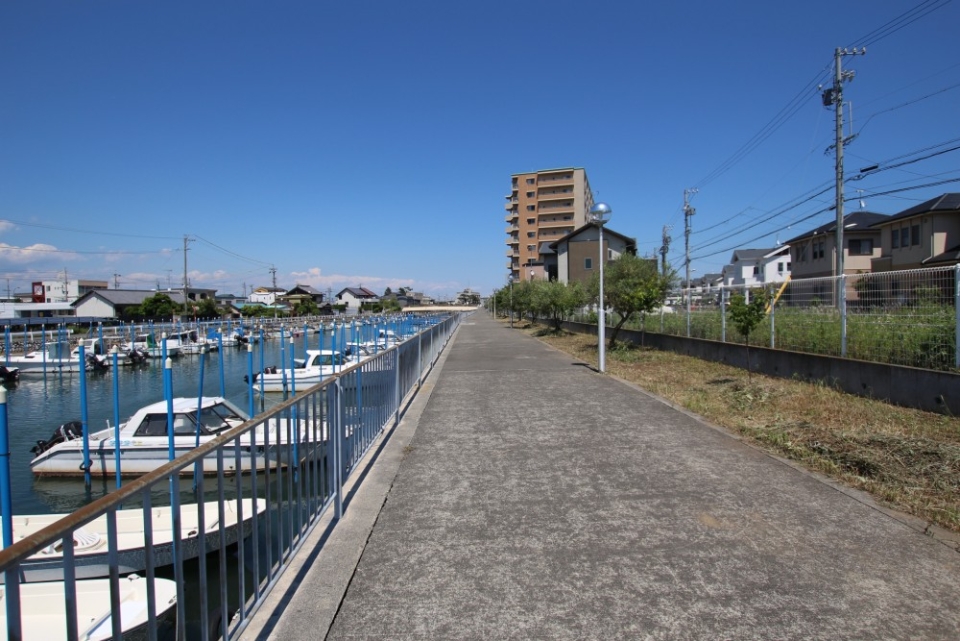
{"points": [[779, 268], [531, 208], [531, 181], [895, 238], [530, 247], [531, 234], [915, 235], [860, 247], [531, 221], [756, 270], [905, 237], [588, 263], [530, 194]]}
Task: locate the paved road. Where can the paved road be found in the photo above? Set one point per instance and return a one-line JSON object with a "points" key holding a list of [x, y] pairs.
{"points": [[525, 496]]}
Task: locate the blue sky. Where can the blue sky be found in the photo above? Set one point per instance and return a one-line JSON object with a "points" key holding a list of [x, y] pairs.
{"points": [[372, 143]]}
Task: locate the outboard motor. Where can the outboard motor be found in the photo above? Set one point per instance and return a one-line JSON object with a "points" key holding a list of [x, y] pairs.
{"points": [[96, 363], [66, 432], [9, 374]]}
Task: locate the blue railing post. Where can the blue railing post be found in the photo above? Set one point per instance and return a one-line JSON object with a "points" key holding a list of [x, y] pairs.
{"points": [[6, 344], [12, 581], [115, 352], [252, 410], [223, 385], [83, 416]]}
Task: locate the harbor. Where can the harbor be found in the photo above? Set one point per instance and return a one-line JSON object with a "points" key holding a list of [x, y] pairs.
{"points": [[232, 533]]}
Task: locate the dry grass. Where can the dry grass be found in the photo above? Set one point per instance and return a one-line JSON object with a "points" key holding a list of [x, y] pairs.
{"points": [[908, 459]]}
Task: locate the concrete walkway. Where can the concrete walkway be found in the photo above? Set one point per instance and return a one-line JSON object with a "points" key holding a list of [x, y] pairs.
{"points": [[525, 496]]}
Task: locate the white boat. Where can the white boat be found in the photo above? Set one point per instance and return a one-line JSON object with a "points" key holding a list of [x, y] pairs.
{"points": [[318, 365], [144, 444], [90, 548], [190, 342], [43, 612], [148, 344], [58, 357]]}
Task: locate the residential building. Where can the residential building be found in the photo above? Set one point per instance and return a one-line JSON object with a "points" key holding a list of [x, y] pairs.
{"points": [[468, 297], [354, 297], [266, 295], [112, 303], [927, 235], [543, 207], [757, 267], [302, 293], [576, 256], [64, 291], [813, 254]]}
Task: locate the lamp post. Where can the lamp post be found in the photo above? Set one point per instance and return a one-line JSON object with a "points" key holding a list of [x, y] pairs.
{"points": [[600, 214], [511, 300]]}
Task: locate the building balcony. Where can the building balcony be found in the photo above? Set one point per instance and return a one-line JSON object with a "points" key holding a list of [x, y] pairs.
{"points": [[546, 195], [512, 204], [511, 229], [512, 216], [560, 178]]}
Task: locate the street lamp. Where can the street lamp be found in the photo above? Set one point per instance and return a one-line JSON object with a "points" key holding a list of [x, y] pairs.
{"points": [[511, 300], [599, 215]]}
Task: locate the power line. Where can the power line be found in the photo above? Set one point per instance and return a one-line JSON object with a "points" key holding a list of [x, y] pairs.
{"points": [[231, 253], [908, 17], [83, 231]]}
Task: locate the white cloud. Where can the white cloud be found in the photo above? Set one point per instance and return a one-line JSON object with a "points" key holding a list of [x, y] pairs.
{"points": [[35, 253]]}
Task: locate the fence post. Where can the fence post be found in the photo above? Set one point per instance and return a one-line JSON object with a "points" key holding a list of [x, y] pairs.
{"points": [[773, 323], [689, 305], [843, 315], [956, 310], [723, 315]]}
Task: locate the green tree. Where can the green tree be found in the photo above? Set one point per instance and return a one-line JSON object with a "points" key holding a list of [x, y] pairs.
{"points": [[746, 316], [306, 308], [158, 306], [208, 308], [555, 301], [632, 286]]}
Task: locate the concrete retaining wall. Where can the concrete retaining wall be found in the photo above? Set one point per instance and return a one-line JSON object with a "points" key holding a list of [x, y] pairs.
{"points": [[907, 386]]}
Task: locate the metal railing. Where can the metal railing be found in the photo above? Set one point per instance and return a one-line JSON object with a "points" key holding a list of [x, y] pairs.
{"points": [[299, 455], [909, 317]]}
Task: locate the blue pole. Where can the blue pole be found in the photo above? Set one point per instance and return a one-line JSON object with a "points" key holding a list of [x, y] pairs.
{"points": [[261, 363], [116, 412], [223, 385], [100, 332], [305, 339], [168, 396], [198, 468], [6, 343], [6, 494], [283, 364], [83, 416], [250, 378], [43, 346]]}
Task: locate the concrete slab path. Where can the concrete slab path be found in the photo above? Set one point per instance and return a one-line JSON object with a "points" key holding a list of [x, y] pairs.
{"points": [[528, 497]]}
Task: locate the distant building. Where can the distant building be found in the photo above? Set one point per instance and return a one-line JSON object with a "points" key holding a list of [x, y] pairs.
{"points": [[468, 297], [354, 297], [63, 291], [266, 295], [543, 207], [575, 257], [302, 293], [813, 254], [927, 235], [757, 267], [112, 303]]}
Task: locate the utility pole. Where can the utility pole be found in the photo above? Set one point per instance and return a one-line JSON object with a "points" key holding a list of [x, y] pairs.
{"points": [[186, 239], [116, 280], [688, 213], [273, 273], [834, 96], [665, 248]]}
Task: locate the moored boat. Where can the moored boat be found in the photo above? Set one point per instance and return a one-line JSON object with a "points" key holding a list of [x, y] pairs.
{"points": [[42, 618], [90, 549], [317, 366], [144, 443]]}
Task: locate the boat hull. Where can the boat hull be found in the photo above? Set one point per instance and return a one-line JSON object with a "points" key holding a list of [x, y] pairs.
{"points": [[91, 554]]}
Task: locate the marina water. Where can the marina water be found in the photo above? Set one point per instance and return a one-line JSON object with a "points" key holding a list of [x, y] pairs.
{"points": [[39, 404]]}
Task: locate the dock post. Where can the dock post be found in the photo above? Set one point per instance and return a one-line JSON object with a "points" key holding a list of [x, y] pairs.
{"points": [[83, 416]]}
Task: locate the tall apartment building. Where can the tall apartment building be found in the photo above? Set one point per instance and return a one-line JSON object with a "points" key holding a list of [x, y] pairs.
{"points": [[542, 207]]}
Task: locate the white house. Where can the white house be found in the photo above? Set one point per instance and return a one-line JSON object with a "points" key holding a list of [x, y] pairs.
{"points": [[353, 297], [266, 295], [757, 267]]}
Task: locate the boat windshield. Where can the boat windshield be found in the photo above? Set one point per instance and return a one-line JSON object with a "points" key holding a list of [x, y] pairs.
{"points": [[212, 419]]}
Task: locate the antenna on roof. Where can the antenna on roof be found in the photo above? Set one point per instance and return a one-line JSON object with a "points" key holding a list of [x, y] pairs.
{"points": [[863, 203]]}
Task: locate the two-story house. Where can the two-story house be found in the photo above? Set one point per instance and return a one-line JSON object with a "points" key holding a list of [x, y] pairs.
{"points": [[354, 297], [575, 257], [927, 235], [757, 267], [813, 254]]}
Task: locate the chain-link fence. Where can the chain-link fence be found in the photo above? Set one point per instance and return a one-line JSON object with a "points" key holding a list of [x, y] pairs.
{"points": [[903, 318]]}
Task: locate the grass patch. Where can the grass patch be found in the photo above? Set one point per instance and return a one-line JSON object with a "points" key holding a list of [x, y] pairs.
{"points": [[907, 459]]}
